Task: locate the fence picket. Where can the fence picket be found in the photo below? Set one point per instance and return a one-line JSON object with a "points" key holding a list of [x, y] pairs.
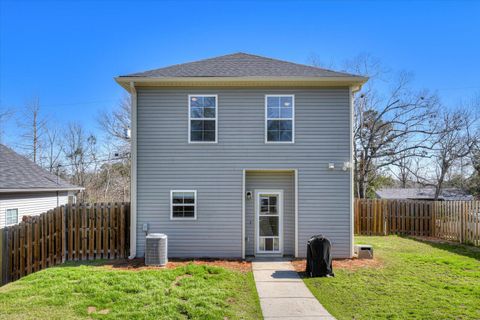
{"points": [[450, 220], [70, 232]]}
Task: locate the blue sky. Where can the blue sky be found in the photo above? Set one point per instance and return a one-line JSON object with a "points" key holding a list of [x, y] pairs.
{"points": [[67, 53]]}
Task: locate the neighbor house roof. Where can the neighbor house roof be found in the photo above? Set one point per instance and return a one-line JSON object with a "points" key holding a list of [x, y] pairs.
{"points": [[422, 194], [241, 66], [19, 174]]}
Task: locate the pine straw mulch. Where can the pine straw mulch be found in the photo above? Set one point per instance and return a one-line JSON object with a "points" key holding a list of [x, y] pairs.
{"points": [[139, 264], [347, 264]]}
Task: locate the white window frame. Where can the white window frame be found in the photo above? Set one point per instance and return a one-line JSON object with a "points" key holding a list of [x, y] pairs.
{"points": [[292, 119], [190, 118], [279, 193], [183, 204], [6, 211]]}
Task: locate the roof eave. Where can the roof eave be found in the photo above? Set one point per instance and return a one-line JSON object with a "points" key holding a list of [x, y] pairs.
{"points": [[20, 190], [125, 81]]}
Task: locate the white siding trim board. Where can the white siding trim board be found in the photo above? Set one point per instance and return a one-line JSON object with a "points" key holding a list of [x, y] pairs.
{"points": [[244, 173], [133, 182]]}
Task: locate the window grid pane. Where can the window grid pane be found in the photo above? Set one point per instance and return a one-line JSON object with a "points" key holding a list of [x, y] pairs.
{"points": [[183, 204], [280, 119], [203, 114], [11, 216]]}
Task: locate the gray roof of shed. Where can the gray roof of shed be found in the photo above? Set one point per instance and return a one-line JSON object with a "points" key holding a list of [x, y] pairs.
{"points": [[19, 173], [240, 65], [422, 194]]}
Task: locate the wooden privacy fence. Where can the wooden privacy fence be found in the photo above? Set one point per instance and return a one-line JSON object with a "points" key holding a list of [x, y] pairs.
{"points": [[449, 220], [67, 233], [383, 217], [458, 221]]}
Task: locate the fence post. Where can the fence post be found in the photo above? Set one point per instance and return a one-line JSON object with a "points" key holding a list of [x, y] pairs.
{"points": [[3, 255], [386, 217]]}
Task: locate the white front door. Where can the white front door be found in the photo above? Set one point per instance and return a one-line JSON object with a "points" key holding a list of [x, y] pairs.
{"points": [[269, 220]]}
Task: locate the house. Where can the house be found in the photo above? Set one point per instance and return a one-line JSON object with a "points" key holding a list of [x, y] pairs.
{"points": [[241, 155], [422, 194], [28, 190]]}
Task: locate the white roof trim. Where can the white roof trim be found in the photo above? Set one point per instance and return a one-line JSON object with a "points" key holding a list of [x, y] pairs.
{"points": [[41, 189]]}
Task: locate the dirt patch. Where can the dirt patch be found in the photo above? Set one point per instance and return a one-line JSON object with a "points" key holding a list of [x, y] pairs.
{"points": [[91, 310], [139, 264], [347, 264], [179, 278]]}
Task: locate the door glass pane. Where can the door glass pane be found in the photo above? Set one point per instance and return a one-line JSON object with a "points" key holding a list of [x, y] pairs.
{"points": [[268, 244], [268, 226], [262, 244]]}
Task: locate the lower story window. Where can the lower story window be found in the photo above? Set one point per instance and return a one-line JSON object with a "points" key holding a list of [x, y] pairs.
{"points": [[11, 217], [183, 204]]}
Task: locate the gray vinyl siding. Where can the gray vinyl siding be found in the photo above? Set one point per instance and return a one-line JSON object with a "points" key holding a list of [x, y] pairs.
{"points": [[271, 181], [30, 204], [166, 161]]}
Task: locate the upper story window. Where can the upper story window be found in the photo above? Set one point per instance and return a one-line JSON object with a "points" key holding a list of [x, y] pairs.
{"points": [[11, 217], [279, 118], [202, 118], [184, 204]]}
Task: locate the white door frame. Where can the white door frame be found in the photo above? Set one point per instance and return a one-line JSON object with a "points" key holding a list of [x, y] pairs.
{"points": [[278, 192]]}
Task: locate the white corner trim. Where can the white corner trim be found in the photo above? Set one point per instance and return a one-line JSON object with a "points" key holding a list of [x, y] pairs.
{"points": [[296, 212], [352, 90], [133, 174], [243, 212], [194, 205]]}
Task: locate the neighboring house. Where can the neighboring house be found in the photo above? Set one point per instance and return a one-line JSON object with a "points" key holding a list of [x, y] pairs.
{"points": [[422, 194], [242, 155], [28, 190]]}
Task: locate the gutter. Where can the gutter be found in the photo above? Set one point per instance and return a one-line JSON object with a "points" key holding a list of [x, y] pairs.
{"points": [[40, 190], [350, 81], [133, 174]]}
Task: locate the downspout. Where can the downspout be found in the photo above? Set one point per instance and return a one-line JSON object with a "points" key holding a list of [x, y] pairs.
{"points": [[352, 90], [133, 173]]}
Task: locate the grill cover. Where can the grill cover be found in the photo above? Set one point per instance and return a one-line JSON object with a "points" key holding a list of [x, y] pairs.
{"points": [[319, 258]]}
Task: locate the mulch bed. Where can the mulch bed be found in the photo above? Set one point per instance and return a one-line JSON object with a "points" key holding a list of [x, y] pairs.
{"points": [[139, 264], [348, 264], [236, 265]]}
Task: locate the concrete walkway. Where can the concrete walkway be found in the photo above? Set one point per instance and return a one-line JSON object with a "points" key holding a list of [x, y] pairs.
{"points": [[283, 295]]}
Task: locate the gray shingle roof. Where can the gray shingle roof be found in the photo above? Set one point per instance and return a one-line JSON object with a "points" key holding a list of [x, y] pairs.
{"points": [[17, 172], [422, 194], [240, 65]]}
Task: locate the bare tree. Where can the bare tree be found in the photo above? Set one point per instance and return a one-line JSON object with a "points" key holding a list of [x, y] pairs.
{"points": [[401, 169], [117, 123], [453, 145], [115, 174], [392, 122], [33, 125], [5, 115], [388, 130], [53, 149], [80, 151]]}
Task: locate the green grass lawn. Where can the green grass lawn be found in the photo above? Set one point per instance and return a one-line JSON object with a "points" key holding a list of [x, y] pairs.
{"points": [[417, 280], [187, 292]]}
